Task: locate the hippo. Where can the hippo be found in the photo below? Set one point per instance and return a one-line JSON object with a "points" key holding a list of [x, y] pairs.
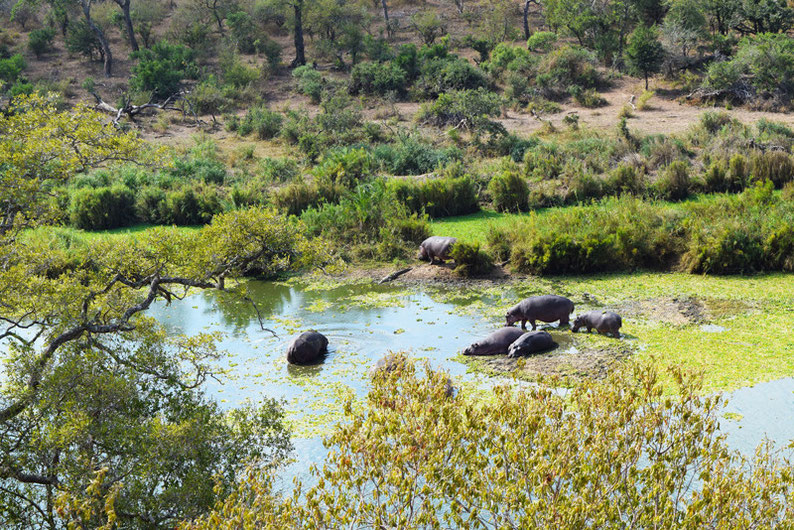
{"points": [[436, 247], [604, 322], [496, 343], [307, 348], [531, 342], [546, 308]]}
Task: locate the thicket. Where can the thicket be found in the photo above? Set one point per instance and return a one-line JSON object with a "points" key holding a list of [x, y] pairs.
{"points": [[745, 233]]}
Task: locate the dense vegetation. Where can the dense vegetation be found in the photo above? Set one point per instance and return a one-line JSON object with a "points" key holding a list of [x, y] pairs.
{"points": [[305, 133]]}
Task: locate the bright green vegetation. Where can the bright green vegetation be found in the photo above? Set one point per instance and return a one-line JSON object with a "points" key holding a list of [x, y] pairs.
{"points": [[525, 458]]}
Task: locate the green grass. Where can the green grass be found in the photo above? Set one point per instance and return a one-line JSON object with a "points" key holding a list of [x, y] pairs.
{"points": [[78, 236], [474, 227]]}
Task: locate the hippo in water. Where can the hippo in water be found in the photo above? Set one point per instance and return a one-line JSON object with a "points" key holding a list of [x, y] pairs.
{"points": [[496, 343], [604, 322], [531, 342], [546, 308], [436, 247], [307, 348]]}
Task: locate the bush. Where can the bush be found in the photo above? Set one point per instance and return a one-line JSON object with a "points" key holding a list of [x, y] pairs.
{"points": [[542, 41], [237, 74], [40, 41], [673, 185], [626, 179], [377, 78], [11, 68], [295, 198], [162, 68], [102, 208], [278, 169], [438, 197], [191, 205], [242, 31], [310, 82], [340, 171], [466, 109], [509, 192], [261, 121], [564, 68], [470, 260], [150, 205], [726, 248], [775, 166], [413, 156], [439, 75], [81, 39], [208, 98], [587, 98]]}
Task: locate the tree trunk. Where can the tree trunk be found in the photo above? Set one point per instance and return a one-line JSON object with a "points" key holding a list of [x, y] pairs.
{"points": [[108, 56], [526, 19], [385, 11], [300, 54], [646, 81], [218, 18], [125, 9]]}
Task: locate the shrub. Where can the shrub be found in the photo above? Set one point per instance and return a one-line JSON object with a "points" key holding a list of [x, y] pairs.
{"points": [[673, 185], [200, 168], [466, 109], [470, 260], [102, 208], [413, 156], [428, 25], [208, 98], [566, 67], [162, 68], [295, 198], [237, 74], [271, 50], [512, 59], [542, 41], [643, 100], [11, 68], [587, 98], [714, 121], [242, 30], [150, 205], [310, 82], [192, 205], [261, 121], [40, 41], [775, 166], [278, 169], [738, 172], [715, 178], [626, 179], [438, 197], [377, 78], [81, 39], [509, 192], [439, 75], [724, 248], [342, 170]]}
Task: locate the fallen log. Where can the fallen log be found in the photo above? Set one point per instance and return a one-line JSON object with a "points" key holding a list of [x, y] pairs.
{"points": [[393, 276]]}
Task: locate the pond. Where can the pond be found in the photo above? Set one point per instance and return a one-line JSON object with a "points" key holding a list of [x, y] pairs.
{"points": [[363, 322]]}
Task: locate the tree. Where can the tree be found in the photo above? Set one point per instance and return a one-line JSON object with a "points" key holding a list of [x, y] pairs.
{"points": [[125, 10], [85, 7], [684, 24], [644, 54], [89, 383], [42, 146], [625, 452]]}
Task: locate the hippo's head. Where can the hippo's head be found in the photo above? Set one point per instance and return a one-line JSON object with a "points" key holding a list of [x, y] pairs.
{"points": [[472, 350], [511, 318], [422, 253], [578, 323]]}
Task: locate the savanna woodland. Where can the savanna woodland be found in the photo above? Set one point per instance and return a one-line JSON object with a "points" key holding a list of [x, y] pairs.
{"points": [[254, 169]]}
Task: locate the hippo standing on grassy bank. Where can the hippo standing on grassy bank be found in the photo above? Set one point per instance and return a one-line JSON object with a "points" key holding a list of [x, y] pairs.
{"points": [[307, 348], [496, 343], [604, 322], [531, 342], [546, 308], [436, 247]]}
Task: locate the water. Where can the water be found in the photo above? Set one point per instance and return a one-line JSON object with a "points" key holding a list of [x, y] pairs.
{"points": [[363, 323]]}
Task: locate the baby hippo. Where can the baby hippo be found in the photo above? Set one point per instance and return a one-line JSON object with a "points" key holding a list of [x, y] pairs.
{"points": [[307, 348], [604, 322], [436, 247], [496, 343], [546, 308], [531, 342]]}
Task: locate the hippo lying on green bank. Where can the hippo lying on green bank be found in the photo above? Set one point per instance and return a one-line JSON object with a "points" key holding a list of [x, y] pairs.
{"points": [[307, 348], [436, 247], [604, 322], [531, 342], [496, 343], [546, 308]]}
